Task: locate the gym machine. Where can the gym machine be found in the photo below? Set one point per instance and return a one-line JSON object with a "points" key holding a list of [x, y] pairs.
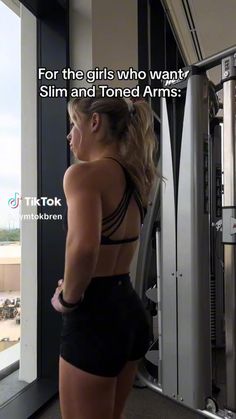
{"points": [[186, 265]]}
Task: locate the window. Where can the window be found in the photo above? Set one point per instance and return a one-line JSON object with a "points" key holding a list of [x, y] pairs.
{"points": [[44, 43], [10, 192], [10, 170]]}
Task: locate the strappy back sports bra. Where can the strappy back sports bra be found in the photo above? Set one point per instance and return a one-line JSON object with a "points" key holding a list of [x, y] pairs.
{"points": [[114, 220]]}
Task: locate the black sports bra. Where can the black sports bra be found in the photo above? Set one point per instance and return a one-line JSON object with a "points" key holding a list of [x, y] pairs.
{"points": [[114, 220]]}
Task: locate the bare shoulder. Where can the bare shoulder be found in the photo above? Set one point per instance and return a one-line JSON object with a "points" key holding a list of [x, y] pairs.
{"points": [[77, 172], [92, 175]]}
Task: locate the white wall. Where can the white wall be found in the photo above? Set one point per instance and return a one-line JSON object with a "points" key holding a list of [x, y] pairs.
{"points": [[104, 34], [115, 36], [80, 37]]}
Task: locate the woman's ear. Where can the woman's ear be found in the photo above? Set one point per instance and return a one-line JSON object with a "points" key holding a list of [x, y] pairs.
{"points": [[95, 121]]}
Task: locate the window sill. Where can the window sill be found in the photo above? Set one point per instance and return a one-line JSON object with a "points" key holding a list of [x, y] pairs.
{"points": [[30, 399], [10, 385]]}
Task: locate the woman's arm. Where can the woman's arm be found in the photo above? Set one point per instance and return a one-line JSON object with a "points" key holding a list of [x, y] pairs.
{"points": [[83, 197]]}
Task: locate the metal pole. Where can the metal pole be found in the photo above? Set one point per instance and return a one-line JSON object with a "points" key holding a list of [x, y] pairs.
{"points": [[215, 59], [229, 232]]}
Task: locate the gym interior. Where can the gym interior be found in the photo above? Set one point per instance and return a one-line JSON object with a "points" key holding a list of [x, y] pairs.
{"points": [[184, 268]]}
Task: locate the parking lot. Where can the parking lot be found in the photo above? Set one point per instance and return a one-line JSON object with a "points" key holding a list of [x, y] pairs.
{"points": [[8, 327]]}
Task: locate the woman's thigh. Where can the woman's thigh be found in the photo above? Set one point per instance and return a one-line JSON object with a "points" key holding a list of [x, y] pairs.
{"points": [[124, 385], [84, 395]]}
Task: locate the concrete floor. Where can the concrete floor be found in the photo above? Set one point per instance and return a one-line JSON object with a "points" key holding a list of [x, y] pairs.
{"points": [[142, 404]]}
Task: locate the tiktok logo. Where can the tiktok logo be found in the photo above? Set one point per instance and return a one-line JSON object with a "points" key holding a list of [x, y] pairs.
{"points": [[33, 201], [14, 202]]}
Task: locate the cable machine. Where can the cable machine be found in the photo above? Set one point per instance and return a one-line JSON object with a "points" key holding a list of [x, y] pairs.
{"points": [[186, 269]]}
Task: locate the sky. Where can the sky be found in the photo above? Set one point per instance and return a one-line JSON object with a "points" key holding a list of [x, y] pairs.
{"points": [[10, 114]]}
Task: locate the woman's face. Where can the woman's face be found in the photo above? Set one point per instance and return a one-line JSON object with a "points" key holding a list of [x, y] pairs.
{"points": [[79, 138]]}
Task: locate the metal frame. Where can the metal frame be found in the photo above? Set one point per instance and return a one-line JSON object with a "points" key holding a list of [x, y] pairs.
{"points": [[229, 155], [168, 284], [185, 281], [184, 259], [193, 276], [53, 53]]}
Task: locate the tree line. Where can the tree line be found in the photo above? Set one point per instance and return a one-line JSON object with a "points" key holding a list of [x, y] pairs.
{"points": [[10, 235]]}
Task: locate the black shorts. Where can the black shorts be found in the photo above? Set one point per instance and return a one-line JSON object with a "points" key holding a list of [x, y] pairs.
{"points": [[109, 328]]}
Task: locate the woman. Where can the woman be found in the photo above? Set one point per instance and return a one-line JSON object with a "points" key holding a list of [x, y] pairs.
{"points": [[105, 331]]}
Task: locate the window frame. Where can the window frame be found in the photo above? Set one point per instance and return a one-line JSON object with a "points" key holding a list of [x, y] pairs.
{"points": [[52, 127]]}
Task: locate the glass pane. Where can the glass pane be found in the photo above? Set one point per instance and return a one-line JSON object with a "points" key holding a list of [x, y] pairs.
{"points": [[10, 188]]}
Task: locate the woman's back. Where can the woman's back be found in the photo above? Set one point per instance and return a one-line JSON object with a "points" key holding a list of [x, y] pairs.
{"points": [[116, 258], [122, 215]]}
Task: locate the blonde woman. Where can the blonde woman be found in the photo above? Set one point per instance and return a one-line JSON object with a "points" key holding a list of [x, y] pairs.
{"points": [[105, 330]]}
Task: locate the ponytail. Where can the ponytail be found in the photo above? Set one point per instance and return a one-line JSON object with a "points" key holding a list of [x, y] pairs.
{"points": [[140, 148]]}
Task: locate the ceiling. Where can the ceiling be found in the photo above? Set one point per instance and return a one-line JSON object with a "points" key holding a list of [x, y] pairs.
{"points": [[203, 28], [215, 24]]}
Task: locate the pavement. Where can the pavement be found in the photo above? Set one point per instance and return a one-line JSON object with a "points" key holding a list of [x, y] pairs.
{"points": [[9, 329]]}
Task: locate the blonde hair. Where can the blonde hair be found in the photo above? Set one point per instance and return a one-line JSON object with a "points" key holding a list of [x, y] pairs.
{"points": [[132, 127]]}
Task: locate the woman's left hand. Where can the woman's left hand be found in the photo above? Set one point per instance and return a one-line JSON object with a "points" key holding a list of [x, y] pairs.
{"points": [[55, 301]]}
